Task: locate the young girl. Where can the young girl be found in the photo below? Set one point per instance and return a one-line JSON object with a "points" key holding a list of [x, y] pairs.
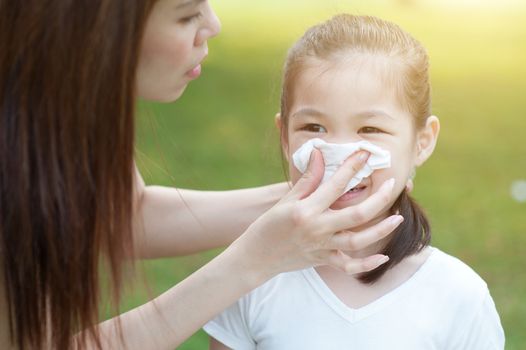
{"points": [[361, 79]]}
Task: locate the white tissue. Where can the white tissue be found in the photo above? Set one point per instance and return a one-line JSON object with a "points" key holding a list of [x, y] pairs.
{"points": [[335, 154]]}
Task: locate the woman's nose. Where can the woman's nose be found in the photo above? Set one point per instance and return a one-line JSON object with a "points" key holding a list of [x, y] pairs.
{"points": [[211, 28]]}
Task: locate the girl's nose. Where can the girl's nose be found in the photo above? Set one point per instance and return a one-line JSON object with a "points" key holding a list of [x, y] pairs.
{"points": [[210, 28], [344, 139]]}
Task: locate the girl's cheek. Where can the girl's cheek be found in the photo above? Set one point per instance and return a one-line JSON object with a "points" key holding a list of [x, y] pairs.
{"points": [[294, 173]]}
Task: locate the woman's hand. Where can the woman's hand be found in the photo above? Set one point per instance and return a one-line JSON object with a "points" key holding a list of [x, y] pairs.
{"points": [[301, 230]]}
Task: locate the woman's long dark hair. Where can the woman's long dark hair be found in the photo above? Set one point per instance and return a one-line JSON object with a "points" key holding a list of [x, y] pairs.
{"points": [[67, 100]]}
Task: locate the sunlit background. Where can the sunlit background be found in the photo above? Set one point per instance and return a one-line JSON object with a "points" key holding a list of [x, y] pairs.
{"points": [[220, 135]]}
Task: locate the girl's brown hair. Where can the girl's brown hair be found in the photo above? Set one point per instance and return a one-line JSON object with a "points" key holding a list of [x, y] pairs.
{"points": [[346, 35], [67, 100]]}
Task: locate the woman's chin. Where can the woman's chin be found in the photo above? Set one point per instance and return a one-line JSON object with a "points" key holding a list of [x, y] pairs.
{"points": [[165, 96], [175, 95]]}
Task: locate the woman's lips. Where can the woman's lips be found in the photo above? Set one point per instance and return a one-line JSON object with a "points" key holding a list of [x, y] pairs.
{"points": [[195, 72]]}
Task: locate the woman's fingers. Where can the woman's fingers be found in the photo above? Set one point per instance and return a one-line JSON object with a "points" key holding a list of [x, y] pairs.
{"points": [[332, 189], [352, 241], [302, 228], [356, 215], [351, 266], [311, 179]]}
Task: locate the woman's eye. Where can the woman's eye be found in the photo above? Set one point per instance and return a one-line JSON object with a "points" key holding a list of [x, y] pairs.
{"points": [[191, 18], [313, 128], [370, 130]]}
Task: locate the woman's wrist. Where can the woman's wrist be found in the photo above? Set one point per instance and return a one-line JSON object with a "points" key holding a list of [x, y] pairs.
{"points": [[278, 191], [263, 198], [245, 258]]}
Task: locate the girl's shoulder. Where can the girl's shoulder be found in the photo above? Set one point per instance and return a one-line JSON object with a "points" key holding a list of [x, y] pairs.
{"points": [[452, 267], [286, 282], [448, 273], [462, 298]]}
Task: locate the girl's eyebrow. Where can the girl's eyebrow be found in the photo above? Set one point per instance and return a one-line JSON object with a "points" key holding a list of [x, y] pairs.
{"points": [[374, 113], [188, 3], [364, 114], [308, 112]]}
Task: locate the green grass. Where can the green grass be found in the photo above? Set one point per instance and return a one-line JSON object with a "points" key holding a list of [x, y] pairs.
{"points": [[220, 134]]}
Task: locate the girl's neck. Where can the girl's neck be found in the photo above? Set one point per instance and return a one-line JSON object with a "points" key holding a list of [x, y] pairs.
{"points": [[356, 294]]}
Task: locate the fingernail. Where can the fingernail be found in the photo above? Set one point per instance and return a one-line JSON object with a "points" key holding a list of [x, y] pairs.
{"points": [[373, 263], [396, 220], [363, 156], [311, 156], [382, 260]]}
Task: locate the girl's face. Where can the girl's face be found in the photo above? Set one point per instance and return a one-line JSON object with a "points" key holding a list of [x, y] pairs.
{"points": [[173, 47], [351, 102]]}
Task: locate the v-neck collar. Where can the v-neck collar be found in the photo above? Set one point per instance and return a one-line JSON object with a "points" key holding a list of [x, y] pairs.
{"points": [[355, 315]]}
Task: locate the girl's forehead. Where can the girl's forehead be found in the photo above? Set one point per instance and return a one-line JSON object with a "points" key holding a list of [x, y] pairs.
{"points": [[349, 86], [354, 76], [355, 65], [369, 70]]}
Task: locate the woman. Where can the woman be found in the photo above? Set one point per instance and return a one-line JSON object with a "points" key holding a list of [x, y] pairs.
{"points": [[72, 199]]}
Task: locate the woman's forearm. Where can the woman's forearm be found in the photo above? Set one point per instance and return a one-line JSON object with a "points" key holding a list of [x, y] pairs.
{"points": [[168, 320], [172, 222]]}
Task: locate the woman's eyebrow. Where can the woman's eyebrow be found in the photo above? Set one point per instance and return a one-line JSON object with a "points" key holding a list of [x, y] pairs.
{"points": [[188, 3]]}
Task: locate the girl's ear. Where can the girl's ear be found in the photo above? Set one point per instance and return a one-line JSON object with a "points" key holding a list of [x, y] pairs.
{"points": [[427, 139], [277, 121], [284, 144]]}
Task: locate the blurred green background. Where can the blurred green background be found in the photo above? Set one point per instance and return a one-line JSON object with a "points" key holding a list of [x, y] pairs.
{"points": [[220, 134]]}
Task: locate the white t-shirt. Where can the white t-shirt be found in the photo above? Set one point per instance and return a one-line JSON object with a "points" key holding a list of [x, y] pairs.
{"points": [[444, 305]]}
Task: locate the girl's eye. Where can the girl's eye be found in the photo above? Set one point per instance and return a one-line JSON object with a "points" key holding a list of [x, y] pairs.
{"points": [[370, 130], [313, 128], [191, 18]]}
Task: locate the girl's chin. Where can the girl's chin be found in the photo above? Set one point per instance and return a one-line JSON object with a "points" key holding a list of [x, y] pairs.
{"points": [[351, 197]]}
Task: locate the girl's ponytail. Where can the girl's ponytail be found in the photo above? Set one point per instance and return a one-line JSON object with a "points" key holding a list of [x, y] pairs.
{"points": [[409, 238]]}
